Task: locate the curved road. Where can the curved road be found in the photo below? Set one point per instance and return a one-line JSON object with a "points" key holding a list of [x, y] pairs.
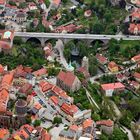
{"points": [[129, 133]]}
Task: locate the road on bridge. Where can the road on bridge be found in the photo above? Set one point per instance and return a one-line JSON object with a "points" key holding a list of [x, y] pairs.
{"points": [[75, 36]]}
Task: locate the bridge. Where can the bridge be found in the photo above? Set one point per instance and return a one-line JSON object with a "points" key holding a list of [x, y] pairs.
{"points": [[43, 37]]}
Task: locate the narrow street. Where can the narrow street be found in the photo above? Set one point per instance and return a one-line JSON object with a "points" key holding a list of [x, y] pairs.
{"points": [[42, 98], [129, 133], [60, 46], [92, 79]]}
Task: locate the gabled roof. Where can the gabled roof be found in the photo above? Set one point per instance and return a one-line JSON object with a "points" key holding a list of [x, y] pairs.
{"points": [[57, 2], [112, 86], [25, 88], [69, 109], [67, 77], [112, 64], [108, 123], [40, 72], [4, 44], [74, 127], [7, 81], [4, 97], [137, 75], [1, 68], [2, 2], [3, 133], [136, 58], [45, 86], [87, 123], [54, 99], [134, 27], [38, 106], [101, 58]]}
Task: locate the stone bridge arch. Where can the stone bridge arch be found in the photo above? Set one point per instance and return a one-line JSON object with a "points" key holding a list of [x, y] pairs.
{"points": [[51, 40], [100, 41]]}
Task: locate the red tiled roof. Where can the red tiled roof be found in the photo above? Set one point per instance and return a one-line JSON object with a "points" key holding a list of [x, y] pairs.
{"points": [[57, 90], [137, 75], [7, 79], [1, 68], [136, 58], [4, 97], [112, 86], [108, 123], [69, 109], [112, 64], [25, 88], [28, 69], [22, 132], [45, 86], [87, 123], [37, 106], [67, 78], [31, 4], [133, 27], [19, 71], [4, 45], [44, 135], [68, 28], [3, 133], [2, 2], [63, 94], [134, 83], [54, 99], [40, 72], [28, 127], [101, 58], [74, 127], [120, 76], [11, 6], [57, 2], [84, 72]]}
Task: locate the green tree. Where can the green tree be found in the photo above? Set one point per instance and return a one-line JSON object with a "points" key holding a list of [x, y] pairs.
{"points": [[108, 16], [22, 5], [2, 26], [37, 123], [126, 118], [82, 47], [118, 134], [12, 3], [17, 40], [97, 28], [92, 65], [57, 120], [113, 46], [96, 117], [104, 137], [134, 106], [47, 2]]}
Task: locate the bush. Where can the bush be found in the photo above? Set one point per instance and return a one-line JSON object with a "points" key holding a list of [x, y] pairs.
{"points": [[57, 120]]}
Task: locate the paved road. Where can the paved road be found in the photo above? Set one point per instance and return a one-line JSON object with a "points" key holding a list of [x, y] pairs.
{"points": [[49, 108], [60, 47], [92, 79], [129, 133], [75, 36]]}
